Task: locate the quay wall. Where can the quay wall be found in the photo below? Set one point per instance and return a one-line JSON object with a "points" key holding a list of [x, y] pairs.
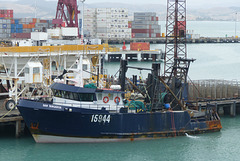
{"points": [[162, 40]]}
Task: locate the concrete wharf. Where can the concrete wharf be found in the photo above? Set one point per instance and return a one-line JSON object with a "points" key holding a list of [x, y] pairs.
{"points": [[223, 94], [145, 55], [162, 40]]}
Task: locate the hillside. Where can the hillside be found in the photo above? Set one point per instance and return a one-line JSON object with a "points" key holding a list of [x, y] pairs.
{"points": [[27, 9]]}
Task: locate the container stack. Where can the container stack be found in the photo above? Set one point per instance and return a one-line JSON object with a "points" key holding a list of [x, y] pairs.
{"points": [[102, 26], [145, 25], [5, 23], [5, 28], [112, 23], [6, 14], [118, 23], [89, 23], [22, 28]]}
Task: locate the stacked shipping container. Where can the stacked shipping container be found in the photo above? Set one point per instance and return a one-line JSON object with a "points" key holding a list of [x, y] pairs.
{"points": [[117, 20], [5, 28], [106, 23], [89, 23], [6, 14], [145, 25], [5, 23], [22, 28]]}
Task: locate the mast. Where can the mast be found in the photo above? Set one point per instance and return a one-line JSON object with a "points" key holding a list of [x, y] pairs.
{"points": [[176, 64]]}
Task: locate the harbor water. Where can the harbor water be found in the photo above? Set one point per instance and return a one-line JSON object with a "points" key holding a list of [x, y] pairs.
{"points": [[217, 146], [219, 61]]}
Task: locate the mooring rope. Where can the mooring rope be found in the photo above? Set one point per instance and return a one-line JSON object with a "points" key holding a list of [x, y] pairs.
{"points": [[7, 113]]}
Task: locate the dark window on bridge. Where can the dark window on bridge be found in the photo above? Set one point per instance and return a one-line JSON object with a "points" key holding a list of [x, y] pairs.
{"points": [[89, 97]]}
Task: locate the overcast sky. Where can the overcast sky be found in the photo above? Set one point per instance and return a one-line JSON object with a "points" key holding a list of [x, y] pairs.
{"points": [[190, 3]]}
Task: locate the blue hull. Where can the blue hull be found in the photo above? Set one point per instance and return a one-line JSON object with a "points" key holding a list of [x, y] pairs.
{"points": [[46, 119]]}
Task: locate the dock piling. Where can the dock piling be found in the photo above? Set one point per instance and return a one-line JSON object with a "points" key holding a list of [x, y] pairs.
{"points": [[233, 109], [18, 129]]}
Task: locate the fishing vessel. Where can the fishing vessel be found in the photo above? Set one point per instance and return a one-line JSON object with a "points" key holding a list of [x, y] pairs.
{"points": [[88, 114]]}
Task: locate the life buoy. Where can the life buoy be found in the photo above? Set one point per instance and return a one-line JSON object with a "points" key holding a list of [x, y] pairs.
{"points": [[105, 99], [117, 99]]}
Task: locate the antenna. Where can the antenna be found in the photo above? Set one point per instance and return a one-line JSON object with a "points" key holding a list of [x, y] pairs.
{"points": [[35, 8]]}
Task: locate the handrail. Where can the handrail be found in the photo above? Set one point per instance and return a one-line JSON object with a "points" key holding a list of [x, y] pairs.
{"points": [[80, 104]]}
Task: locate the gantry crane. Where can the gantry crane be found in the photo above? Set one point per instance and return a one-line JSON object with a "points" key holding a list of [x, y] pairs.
{"points": [[67, 10]]}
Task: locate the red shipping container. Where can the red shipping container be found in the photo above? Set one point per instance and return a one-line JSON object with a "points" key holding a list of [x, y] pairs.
{"points": [[133, 35], [142, 30], [138, 46], [21, 35], [156, 18], [152, 18], [158, 35], [43, 21], [12, 21], [129, 25]]}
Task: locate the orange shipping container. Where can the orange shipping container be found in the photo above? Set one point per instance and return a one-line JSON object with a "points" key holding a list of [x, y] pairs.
{"points": [[34, 20], [24, 26], [138, 46]]}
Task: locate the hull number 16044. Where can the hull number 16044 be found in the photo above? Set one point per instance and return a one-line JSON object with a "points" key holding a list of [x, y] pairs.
{"points": [[101, 118]]}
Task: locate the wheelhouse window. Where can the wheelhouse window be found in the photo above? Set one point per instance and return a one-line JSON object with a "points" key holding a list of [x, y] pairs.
{"points": [[88, 97]]}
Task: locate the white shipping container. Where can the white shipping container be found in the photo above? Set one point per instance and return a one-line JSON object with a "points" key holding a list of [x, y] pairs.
{"points": [[39, 36], [101, 35], [101, 19], [70, 31], [101, 9], [54, 32], [102, 30], [89, 16], [88, 20], [101, 24], [195, 36]]}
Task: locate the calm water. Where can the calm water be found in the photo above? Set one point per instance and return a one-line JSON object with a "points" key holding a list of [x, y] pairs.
{"points": [[210, 28], [213, 61], [222, 145]]}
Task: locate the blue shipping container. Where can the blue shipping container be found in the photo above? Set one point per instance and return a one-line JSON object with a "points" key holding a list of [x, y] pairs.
{"points": [[20, 30], [4, 26], [16, 21], [13, 30], [19, 26], [13, 26]]}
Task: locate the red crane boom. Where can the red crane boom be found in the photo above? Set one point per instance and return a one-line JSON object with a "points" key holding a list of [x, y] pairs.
{"points": [[67, 10]]}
